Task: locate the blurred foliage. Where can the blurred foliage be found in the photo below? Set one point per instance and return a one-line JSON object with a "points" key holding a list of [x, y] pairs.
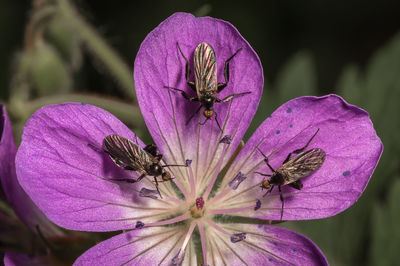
{"points": [[61, 50], [350, 238]]}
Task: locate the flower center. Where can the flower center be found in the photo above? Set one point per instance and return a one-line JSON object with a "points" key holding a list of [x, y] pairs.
{"points": [[197, 209]]}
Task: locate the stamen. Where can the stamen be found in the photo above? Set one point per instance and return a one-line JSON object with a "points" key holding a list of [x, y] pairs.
{"points": [[224, 211], [149, 193], [171, 221], [203, 242], [215, 226], [139, 225], [181, 188], [192, 182], [239, 178], [238, 237], [234, 237], [226, 139], [188, 162], [217, 169], [178, 259], [258, 204], [233, 185]]}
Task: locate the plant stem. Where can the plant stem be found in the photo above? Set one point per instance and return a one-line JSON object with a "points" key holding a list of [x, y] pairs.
{"points": [[126, 112], [99, 48]]}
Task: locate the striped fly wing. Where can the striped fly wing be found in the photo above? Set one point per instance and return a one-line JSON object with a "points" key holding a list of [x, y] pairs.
{"points": [[126, 154], [302, 165], [205, 69]]}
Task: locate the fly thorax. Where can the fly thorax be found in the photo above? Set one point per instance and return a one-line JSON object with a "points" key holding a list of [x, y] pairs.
{"points": [[156, 169], [277, 179], [207, 101]]}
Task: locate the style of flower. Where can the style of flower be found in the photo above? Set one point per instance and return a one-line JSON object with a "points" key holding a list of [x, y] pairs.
{"points": [[210, 213]]}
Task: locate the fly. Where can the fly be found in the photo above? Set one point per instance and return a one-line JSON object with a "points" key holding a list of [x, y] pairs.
{"points": [[205, 81], [130, 156], [293, 169]]}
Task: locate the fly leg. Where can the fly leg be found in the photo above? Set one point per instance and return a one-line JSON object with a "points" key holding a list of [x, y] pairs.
{"points": [[269, 191], [128, 180], [216, 120], [156, 181], [283, 202], [187, 70], [222, 86], [266, 161], [192, 99], [301, 149], [230, 97]]}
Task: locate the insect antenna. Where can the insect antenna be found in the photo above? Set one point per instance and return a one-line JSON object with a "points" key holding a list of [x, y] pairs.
{"points": [[262, 174]]}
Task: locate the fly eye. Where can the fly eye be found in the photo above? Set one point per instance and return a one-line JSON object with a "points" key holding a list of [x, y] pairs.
{"points": [[208, 113]]}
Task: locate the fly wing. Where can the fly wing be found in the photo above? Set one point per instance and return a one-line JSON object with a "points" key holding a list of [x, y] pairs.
{"points": [[126, 154], [302, 165], [205, 69]]}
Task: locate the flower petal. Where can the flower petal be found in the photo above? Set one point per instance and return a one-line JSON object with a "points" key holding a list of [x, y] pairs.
{"points": [[347, 136], [147, 246], [70, 181], [159, 63], [22, 205], [263, 245]]}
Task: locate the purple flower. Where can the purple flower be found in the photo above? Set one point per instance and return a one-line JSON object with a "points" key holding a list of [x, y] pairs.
{"points": [[198, 219], [22, 205]]}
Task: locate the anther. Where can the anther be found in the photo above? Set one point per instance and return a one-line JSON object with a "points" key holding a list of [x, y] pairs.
{"points": [[149, 193], [178, 259], [139, 225], [235, 182], [258, 204], [226, 139], [238, 237]]}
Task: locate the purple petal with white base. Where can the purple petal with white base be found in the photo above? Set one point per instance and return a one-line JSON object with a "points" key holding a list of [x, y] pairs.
{"points": [[262, 245], [352, 149], [147, 246], [23, 206], [72, 181], [159, 63]]}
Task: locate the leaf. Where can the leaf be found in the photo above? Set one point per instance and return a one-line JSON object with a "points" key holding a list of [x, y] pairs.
{"points": [[297, 78], [385, 229], [351, 84]]}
